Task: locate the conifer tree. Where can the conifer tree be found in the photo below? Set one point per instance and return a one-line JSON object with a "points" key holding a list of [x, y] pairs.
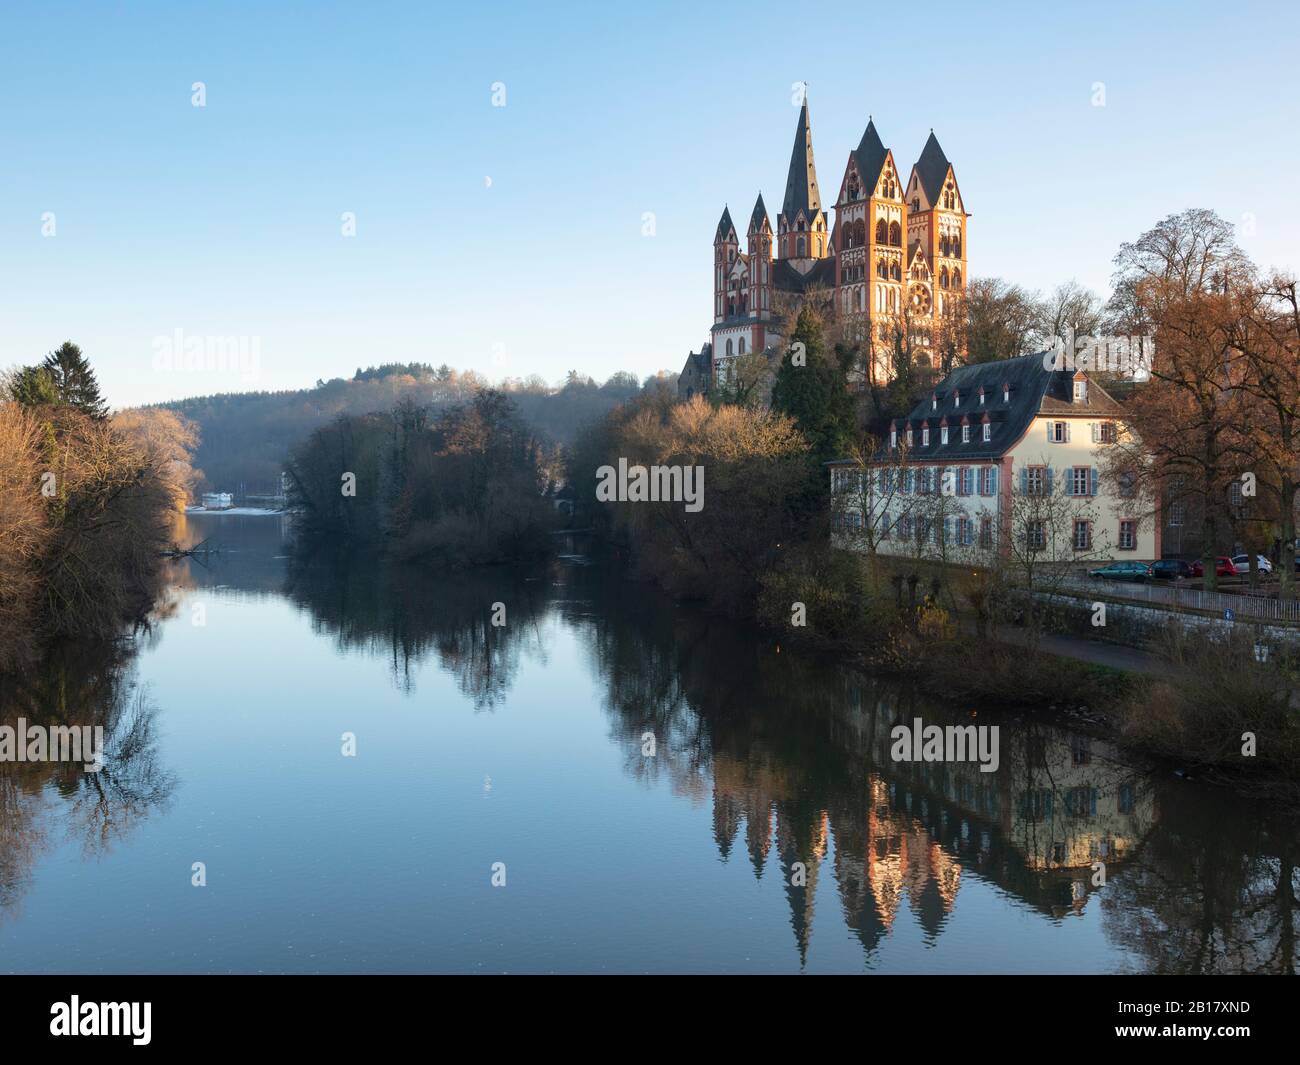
{"points": [[812, 389], [74, 381]]}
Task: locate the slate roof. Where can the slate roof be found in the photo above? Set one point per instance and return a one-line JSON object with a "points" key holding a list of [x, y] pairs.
{"points": [[785, 278], [759, 217], [932, 168], [870, 155], [801, 183], [725, 225], [1034, 391]]}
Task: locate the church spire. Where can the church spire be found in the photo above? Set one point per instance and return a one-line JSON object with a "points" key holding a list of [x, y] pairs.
{"points": [[802, 233], [801, 182]]}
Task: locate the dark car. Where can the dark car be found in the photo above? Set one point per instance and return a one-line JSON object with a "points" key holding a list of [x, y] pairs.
{"points": [[1223, 567], [1171, 569], [1122, 571]]}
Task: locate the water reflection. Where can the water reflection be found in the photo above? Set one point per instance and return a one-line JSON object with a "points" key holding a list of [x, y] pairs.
{"points": [[784, 755], [42, 803], [792, 753]]}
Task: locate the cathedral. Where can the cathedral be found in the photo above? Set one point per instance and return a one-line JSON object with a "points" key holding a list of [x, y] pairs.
{"points": [[869, 279]]}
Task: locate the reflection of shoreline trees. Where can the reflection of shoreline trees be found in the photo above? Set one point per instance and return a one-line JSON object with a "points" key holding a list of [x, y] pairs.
{"points": [[77, 687], [793, 754], [406, 612], [1201, 901]]}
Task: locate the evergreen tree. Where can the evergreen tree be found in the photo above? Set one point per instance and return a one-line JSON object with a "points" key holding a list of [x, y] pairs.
{"points": [[813, 390], [31, 387], [74, 381]]}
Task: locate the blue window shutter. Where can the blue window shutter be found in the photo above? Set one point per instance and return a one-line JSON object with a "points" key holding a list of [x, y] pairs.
{"points": [[1049, 432], [1049, 480], [993, 481], [1024, 480], [1093, 481]]}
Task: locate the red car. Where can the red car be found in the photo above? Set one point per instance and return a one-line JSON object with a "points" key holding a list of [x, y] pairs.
{"points": [[1223, 567]]}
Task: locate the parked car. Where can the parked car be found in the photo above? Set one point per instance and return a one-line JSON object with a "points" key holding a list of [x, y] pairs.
{"points": [[1171, 569], [1242, 563], [1223, 567], [1122, 571]]}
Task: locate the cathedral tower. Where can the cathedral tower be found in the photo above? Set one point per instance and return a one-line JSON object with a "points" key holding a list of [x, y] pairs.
{"points": [[937, 222], [803, 235], [872, 279], [759, 249], [726, 246]]}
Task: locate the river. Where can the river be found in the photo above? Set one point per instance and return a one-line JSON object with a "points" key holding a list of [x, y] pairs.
{"points": [[332, 767]]}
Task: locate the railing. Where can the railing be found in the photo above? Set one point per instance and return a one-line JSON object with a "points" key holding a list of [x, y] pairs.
{"points": [[1253, 606]]}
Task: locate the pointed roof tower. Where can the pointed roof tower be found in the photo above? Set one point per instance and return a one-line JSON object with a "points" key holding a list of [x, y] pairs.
{"points": [[759, 219], [870, 155], [801, 183], [932, 168], [726, 228]]}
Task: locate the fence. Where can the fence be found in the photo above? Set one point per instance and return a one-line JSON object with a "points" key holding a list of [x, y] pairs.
{"points": [[1252, 606]]}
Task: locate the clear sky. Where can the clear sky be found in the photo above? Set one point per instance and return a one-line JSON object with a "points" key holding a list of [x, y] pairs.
{"points": [[510, 240]]}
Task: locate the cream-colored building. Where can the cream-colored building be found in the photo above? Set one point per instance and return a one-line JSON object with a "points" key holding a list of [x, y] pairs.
{"points": [[999, 450]]}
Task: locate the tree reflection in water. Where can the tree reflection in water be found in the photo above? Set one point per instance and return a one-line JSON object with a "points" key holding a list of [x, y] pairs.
{"points": [[792, 753], [77, 686]]}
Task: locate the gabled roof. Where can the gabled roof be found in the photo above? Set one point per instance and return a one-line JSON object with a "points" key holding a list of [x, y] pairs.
{"points": [[870, 155], [785, 278], [801, 192], [725, 226], [758, 219], [1034, 390], [932, 168]]}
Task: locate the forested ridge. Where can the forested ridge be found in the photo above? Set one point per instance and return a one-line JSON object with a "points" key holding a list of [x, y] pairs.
{"points": [[245, 437]]}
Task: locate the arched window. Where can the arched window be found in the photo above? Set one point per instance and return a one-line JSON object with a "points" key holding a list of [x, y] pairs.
{"points": [[882, 268], [861, 230], [800, 245], [943, 277], [728, 347], [882, 232], [896, 271], [740, 347], [956, 247], [895, 235], [956, 279], [943, 244], [862, 301]]}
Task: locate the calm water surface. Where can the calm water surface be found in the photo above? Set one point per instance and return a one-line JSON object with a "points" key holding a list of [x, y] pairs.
{"points": [[523, 745]]}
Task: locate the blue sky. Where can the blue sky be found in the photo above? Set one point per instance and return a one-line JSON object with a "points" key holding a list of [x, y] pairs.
{"points": [[225, 220]]}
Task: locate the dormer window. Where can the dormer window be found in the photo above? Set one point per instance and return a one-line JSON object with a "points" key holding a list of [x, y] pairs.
{"points": [[934, 402], [909, 438], [943, 434], [981, 397], [925, 436], [1081, 391], [988, 432], [965, 434], [893, 437], [956, 399], [1006, 393]]}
